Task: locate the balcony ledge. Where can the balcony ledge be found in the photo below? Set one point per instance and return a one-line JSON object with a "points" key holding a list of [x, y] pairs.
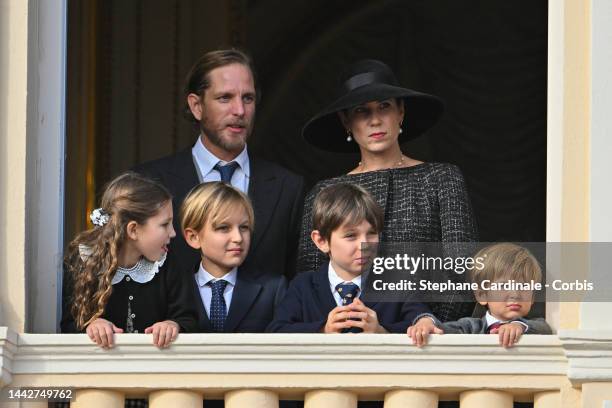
{"points": [[380, 360], [589, 355], [283, 353]]}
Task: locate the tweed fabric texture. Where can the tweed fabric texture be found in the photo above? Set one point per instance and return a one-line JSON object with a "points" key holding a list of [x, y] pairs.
{"points": [[423, 203]]}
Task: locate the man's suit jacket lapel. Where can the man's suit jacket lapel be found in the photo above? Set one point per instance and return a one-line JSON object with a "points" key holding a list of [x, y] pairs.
{"points": [[264, 191], [245, 293], [183, 175], [323, 294]]}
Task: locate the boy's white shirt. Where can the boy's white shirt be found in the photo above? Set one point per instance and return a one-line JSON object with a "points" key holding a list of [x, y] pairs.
{"points": [[205, 162], [203, 277], [492, 320], [335, 280]]}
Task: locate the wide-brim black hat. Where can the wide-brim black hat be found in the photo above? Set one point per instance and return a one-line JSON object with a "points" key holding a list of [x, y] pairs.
{"points": [[366, 81]]}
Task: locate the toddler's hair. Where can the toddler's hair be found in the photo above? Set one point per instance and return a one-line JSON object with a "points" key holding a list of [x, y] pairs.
{"points": [[506, 261]]}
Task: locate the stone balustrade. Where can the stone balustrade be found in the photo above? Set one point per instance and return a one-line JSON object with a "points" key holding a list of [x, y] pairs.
{"points": [[258, 370]]}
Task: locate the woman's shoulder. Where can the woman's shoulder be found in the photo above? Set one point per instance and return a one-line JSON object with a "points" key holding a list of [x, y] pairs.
{"points": [[440, 172], [433, 168], [437, 172]]}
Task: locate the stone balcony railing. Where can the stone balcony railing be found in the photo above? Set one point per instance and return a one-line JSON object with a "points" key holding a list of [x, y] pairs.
{"points": [[256, 370]]}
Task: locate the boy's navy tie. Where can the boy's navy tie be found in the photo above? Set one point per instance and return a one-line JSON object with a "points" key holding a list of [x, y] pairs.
{"points": [[348, 292], [218, 309], [226, 171]]}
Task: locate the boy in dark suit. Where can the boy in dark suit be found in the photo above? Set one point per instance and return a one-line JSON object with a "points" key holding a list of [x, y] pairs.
{"points": [[328, 300], [506, 309], [217, 220]]}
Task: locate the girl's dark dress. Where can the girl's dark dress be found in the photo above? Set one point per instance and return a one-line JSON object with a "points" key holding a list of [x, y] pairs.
{"points": [[134, 306]]}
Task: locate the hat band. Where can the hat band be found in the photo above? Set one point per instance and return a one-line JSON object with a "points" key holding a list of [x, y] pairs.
{"points": [[365, 78]]}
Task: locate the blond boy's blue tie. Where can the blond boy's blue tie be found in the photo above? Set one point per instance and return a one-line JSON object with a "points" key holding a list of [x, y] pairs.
{"points": [[218, 309]]}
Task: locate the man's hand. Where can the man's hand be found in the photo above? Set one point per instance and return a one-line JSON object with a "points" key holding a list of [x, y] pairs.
{"points": [[509, 333], [164, 332], [100, 331], [421, 330]]}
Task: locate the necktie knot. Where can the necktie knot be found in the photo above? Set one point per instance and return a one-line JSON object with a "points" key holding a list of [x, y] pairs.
{"points": [[218, 286], [226, 171], [347, 291]]}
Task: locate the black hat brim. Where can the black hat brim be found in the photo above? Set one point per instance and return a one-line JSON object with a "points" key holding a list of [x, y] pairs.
{"points": [[421, 112]]}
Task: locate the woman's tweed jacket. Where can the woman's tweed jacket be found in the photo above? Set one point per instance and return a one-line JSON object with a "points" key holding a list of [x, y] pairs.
{"points": [[423, 203]]}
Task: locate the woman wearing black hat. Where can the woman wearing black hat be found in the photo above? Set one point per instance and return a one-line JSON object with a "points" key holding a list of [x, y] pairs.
{"points": [[423, 202]]}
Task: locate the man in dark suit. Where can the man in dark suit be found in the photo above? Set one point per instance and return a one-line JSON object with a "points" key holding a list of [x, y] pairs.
{"points": [[220, 98]]}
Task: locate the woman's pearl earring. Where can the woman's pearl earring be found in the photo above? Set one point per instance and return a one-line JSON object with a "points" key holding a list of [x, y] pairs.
{"points": [[348, 137], [401, 130]]}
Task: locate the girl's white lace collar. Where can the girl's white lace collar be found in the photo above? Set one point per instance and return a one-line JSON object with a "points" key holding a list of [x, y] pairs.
{"points": [[142, 272]]}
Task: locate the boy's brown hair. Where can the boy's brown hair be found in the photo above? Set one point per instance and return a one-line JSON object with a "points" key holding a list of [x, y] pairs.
{"points": [[339, 203]]}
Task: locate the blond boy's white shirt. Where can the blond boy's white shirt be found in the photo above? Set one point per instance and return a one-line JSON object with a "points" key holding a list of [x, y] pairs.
{"points": [[203, 277]]}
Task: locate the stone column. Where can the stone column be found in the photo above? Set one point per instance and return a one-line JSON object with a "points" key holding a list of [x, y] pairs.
{"points": [[175, 398], [97, 399], [251, 398], [330, 398], [411, 399], [548, 399], [485, 399]]}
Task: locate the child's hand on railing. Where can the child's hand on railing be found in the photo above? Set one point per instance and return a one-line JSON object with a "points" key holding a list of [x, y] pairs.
{"points": [[421, 330], [100, 331], [509, 333], [164, 332]]}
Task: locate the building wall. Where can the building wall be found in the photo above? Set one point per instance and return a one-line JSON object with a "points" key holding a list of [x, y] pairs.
{"points": [[13, 164], [600, 148]]}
